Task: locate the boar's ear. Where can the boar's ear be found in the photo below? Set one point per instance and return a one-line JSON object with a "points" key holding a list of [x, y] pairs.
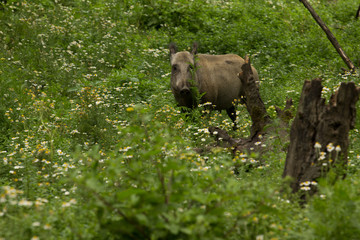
{"points": [[195, 47], [172, 48]]}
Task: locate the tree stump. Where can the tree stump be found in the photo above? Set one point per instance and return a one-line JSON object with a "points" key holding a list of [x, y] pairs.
{"points": [[319, 134]]}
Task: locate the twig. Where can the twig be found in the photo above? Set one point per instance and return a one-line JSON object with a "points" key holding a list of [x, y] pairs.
{"points": [[163, 187]]}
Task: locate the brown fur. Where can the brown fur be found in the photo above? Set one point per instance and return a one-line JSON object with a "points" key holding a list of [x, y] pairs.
{"points": [[215, 75]]}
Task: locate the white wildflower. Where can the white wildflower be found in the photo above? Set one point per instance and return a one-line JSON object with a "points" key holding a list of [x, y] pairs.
{"points": [[35, 224], [338, 148], [330, 147], [317, 145]]}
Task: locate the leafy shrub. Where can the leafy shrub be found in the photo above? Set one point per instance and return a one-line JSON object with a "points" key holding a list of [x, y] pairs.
{"points": [[335, 212], [151, 188]]}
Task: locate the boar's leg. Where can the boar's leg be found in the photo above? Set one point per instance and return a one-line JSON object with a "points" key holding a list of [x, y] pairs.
{"points": [[232, 114]]}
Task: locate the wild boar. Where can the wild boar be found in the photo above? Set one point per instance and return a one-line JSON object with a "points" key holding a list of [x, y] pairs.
{"points": [[215, 77]]}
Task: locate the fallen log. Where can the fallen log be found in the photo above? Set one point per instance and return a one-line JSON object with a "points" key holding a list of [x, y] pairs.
{"points": [[319, 134]]}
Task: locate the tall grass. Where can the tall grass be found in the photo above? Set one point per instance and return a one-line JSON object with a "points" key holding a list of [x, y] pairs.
{"points": [[92, 144]]}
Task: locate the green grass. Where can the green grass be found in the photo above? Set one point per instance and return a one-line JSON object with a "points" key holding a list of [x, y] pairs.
{"points": [[93, 146]]}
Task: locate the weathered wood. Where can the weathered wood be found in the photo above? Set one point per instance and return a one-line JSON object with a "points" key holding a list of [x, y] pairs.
{"points": [[319, 133], [358, 13], [222, 137], [329, 35], [253, 101]]}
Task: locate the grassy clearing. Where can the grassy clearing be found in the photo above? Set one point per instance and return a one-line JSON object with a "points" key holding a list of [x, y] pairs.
{"points": [[92, 144]]}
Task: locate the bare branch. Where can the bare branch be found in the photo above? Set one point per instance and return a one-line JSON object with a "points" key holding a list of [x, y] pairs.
{"points": [[329, 35]]}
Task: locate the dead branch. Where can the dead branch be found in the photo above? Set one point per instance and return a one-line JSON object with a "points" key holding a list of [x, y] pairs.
{"points": [[253, 101], [329, 35]]}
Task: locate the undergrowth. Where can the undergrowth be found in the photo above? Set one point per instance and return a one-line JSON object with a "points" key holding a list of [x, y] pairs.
{"points": [[92, 143]]}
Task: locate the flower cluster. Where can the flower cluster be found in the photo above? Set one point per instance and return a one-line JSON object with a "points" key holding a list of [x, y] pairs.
{"points": [[306, 186], [15, 197], [322, 155]]}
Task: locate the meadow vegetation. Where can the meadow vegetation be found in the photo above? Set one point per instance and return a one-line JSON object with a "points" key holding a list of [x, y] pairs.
{"points": [[93, 146]]}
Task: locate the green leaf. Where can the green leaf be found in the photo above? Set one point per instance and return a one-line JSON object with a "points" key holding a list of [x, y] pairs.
{"points": [[127, 193], [142, 218], [174, 228]]}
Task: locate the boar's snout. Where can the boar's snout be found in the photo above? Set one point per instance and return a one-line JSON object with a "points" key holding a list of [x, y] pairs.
{"points": [[185, 91]]}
